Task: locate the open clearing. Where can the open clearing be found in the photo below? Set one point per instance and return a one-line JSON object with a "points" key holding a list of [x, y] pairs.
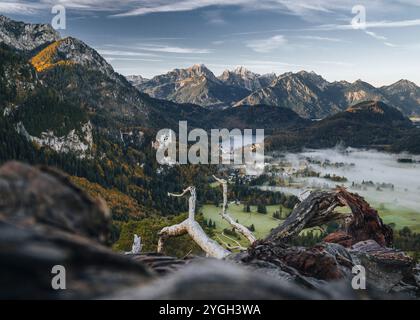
{"points": [[263, 223]]}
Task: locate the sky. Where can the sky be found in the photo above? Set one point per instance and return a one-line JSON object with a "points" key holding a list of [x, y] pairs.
{"points": [[376, 40]]}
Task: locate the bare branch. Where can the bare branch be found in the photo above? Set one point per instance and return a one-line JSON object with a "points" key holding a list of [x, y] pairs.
{"points": [[237, 226], [180, 195], [172, 231], [193, 228]]}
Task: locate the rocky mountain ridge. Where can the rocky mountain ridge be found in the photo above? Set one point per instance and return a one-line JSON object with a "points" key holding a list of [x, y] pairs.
{"points": [[306, 93], [196, 84], [244, 78], [24, 36]]}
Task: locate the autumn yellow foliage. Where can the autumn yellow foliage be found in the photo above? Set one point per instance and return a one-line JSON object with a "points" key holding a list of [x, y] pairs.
{"points": [[121, 205], [45, 59]]}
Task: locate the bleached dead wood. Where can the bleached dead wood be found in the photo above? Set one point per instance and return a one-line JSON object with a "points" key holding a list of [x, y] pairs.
{"points": [[317, 209], [192, 227], [237, 226], [137, 246]]}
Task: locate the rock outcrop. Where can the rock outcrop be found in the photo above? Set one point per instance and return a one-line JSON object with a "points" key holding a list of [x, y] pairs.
{"points": [[24, 36]]}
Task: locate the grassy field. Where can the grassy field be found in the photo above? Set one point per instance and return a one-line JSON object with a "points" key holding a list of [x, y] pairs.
{"points": [[263, 222], [401, 217]]}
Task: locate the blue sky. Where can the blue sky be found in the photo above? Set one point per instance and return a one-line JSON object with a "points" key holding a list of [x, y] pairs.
{"points": [[150, 37]]}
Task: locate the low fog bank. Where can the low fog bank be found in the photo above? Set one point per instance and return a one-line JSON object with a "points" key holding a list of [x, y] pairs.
{"points": [[395, 182]]}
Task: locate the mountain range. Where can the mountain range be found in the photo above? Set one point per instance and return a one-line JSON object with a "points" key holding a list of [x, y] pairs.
{"points": [[60, 93], [197, 85], [306, 93], [62, 106]]}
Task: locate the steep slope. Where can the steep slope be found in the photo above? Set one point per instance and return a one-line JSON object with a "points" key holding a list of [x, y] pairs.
{"points": [[360, 91], [136, 80], [311, 96], [38, 113], [17, 78], [264, 117], [376, 112], [25, 36], [193, 85], [257, 117], [242, 77], [70, 51], [83, 76], [66, 97], [405, 95], [305, 93], [371, 124]]}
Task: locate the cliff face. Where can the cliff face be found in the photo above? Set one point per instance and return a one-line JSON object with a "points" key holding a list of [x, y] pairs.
{"points": [[79, 143]]}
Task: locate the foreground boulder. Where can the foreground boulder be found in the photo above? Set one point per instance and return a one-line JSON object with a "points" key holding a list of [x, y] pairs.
{"points": [[42, 195]]}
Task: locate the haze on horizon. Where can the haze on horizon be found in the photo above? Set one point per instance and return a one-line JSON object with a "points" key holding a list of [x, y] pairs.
{"points": [[151, 37]]}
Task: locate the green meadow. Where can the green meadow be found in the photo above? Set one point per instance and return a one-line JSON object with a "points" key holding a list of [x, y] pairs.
{"points": [[263, 223]]}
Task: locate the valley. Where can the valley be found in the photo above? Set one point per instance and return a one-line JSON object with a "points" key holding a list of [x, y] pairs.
{"points": [[384, 179], [390, 182]]}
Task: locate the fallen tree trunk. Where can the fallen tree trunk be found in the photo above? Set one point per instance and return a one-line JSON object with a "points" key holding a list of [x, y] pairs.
{"points": [[317, 209], [365, 222]]}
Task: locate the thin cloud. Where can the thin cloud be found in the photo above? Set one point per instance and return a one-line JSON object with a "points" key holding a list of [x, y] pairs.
{"points": [[149, 7], [18, 8], [376, 36], [112, 59], [381, 38], [151, 49], [123, 53], [297, 7], [214, 17], [316, 38], [173, 49], [389, 44], [371, 25], [266, 45]]}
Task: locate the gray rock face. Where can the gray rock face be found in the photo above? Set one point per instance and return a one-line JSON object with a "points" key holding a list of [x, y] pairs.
{"points": [[305, 93], [311, 96], [136, 80], [388, 269], [196, 85], [405, 95], [72, 51], [246, 79], [25, 36], [77, 143], [76, 51]]}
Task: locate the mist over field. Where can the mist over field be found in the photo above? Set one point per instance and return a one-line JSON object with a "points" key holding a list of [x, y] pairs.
{"points": [[382, 178]]}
